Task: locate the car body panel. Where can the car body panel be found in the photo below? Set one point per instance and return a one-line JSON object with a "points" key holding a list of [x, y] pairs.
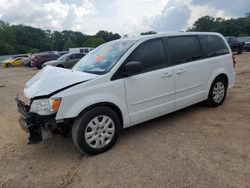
{"points": [[13, 62], [69, 62], [51, 79], [139, 98]]}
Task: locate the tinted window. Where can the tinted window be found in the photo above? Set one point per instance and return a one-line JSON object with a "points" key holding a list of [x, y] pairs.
{"points": [[78, 56], [184, 49], [151, 54], [214, 45], [43, 56], [54, 56], [73, 56]]}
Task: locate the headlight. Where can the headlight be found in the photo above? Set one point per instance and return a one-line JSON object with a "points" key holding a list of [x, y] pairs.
{"points": [[45, 106]]}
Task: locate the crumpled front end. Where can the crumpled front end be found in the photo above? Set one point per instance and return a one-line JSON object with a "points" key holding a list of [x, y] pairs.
{"points": [[39, 127]]}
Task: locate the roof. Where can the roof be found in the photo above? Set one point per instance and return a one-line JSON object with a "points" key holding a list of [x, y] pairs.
{"points": [[139, 37]]}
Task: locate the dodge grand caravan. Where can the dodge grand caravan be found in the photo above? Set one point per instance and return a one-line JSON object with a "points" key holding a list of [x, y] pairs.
{"points": [[126, 82]]}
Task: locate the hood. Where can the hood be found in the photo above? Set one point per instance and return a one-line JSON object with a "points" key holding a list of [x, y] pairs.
{"points": [[6, 61], [51, 79], [53, 62]]}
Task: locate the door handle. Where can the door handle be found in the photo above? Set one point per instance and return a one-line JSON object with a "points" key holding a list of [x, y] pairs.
{"points": [[167, 75], [180, 71]]}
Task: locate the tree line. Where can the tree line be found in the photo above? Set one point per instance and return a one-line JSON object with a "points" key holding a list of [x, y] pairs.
{"points": [[239, 27], [19, 39]]}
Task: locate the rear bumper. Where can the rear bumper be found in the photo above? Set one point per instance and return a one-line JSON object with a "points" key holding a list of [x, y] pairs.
{"points": [[39, 127]]}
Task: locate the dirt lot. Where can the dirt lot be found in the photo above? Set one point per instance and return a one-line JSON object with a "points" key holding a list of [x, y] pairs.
{"points": [[195, 147]]}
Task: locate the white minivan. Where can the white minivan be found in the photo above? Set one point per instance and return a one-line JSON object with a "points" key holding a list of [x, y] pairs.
{"points": [[126, 82]]}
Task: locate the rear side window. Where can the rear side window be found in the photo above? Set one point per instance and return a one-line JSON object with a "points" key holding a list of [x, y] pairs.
{"points": [[73, 56], [78, 56], [184, 49], [151, 54], [214, 45]]}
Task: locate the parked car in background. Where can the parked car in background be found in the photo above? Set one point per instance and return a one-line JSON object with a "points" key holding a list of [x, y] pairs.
{"points": [[14, 60], [83, 50], [27, 61], [126, 82], [247, 46], [37, 60], [62, 53], [235, 44], [65, 61]]}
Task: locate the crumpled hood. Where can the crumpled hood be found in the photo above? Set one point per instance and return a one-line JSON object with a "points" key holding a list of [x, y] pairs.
{"points": [[51, 79]]}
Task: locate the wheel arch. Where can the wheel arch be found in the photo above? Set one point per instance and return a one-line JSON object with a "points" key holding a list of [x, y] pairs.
{"points": [[60, 65], [106, 104], [219, 73], [224, 76]]}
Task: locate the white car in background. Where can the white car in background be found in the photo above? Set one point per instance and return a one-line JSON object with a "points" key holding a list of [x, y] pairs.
{"points": [[126, 82]]}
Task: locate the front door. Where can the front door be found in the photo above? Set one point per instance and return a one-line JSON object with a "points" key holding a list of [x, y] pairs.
{"points": [[150, 93]]}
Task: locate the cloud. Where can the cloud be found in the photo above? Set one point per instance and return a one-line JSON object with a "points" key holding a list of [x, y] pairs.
{"points": [[124, 17], [51, 15], [174, 17], [231, 7]]}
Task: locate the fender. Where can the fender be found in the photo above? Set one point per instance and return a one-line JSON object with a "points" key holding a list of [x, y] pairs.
{"points": [[216, 73], [75, 108]]}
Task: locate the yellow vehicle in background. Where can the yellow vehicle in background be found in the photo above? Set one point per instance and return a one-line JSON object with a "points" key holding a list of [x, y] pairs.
{"points": [[14, 61]]}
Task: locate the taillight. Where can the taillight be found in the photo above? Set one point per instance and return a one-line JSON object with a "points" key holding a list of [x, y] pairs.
{"points": [[234, 61]]}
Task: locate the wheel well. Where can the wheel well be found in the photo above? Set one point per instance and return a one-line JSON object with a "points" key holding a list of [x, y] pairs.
{"points": [[60, 65], [224, 76], [107, 104]]}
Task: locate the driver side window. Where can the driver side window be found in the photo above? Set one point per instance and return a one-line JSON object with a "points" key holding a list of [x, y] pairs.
{"points": [[151, 54]]}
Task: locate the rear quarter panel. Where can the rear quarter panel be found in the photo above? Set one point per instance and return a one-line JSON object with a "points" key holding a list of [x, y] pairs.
{"points": [[222, 65]]}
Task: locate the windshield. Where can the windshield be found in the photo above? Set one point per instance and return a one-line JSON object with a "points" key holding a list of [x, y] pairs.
{"points": [[103, 58], [63, 57]]}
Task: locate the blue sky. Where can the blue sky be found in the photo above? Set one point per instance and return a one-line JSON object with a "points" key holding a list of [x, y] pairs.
{"points": [[122, 16]]}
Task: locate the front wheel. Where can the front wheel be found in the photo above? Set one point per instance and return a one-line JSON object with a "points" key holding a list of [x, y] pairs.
{"points": [[217, 93], [8, 65], [96, 131]]}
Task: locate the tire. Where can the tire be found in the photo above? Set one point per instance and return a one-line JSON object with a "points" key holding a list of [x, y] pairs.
{"points": [[219, 89], [239, 49], [60, 65], [8, 65], [86, 124]]}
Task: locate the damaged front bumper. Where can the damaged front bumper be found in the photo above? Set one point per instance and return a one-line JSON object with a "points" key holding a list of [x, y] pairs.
{"points": [[39, 127]]}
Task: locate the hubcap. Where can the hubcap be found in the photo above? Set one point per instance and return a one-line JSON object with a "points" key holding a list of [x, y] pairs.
{"points": [[218, 92], [99, 132]]}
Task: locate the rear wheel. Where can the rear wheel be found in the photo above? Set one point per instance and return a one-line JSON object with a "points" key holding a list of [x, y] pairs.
{"points": [[217, 93], [96, 131]]}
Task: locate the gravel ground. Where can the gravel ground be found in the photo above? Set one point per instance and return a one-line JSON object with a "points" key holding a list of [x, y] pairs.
{"points": [[194, 147]]}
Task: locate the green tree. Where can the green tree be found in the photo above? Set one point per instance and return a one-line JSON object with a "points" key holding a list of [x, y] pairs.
{"points": [[107, 36], [233, 26], [69, 44], [94, 42], [149, 33]]}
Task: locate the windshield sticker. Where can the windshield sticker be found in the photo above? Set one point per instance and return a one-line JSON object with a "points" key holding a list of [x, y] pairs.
{"points": [[99, 58]]}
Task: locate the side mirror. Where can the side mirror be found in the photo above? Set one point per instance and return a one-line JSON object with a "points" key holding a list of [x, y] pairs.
{"points": [[67, 59], [132, 68]]}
